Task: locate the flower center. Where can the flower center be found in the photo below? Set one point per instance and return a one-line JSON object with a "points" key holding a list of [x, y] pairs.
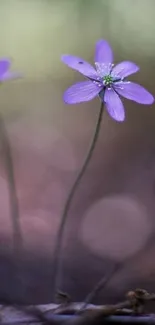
{"points": [[108, 79]]}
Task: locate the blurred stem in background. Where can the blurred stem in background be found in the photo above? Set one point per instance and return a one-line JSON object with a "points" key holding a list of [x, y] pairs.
{"points": [[14, 208], [57, 263]]}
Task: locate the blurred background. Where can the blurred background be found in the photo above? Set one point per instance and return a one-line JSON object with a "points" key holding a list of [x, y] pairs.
{"points": [[112, 218]]}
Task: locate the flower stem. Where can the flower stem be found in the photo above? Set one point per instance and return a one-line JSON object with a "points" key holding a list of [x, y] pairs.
{"points": [[57, 262], [14, 208]]}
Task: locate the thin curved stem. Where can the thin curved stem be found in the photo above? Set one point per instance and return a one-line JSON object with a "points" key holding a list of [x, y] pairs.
{"points": [[57, 269], [98, 287]]}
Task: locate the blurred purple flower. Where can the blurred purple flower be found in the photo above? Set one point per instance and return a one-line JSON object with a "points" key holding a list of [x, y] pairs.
{"points": [[107, 81], [5, 73]]}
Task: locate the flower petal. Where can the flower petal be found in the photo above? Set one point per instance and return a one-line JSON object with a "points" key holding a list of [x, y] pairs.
{"points": [[114, 105], [10, 76], [80, 65], [4, 65], [103, 52], [81, 92], [124, 69], [135, 92]]}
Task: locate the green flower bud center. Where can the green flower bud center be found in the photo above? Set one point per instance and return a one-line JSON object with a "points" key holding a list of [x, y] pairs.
{"points": [[107, 80]]}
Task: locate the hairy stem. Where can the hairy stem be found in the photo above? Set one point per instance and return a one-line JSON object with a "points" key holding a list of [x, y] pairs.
{"points": [[57, 267], [14, 209]]}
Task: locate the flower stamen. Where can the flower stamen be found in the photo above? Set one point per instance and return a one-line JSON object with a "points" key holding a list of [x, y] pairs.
{"points": [[108, 80], [103, 68]]}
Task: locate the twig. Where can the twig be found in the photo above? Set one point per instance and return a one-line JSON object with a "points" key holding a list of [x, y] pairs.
{"points": [[134, 300], [123, 312]]}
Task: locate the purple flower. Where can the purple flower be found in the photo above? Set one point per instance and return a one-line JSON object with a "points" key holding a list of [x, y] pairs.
{"points": [[5, 73], [106, 80]]}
